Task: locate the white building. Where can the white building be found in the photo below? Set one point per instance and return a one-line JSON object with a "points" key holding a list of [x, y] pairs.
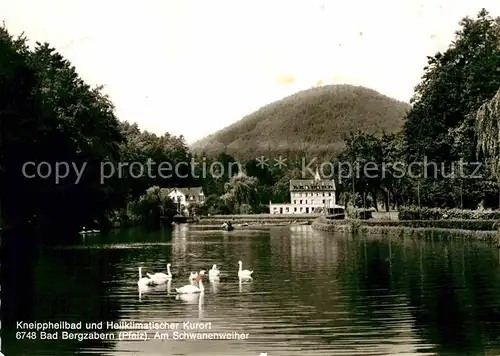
{"points": [[308, 196], [183, 197]]}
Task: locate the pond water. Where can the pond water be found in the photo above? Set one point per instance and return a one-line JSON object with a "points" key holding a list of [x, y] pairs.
{"points": [[313, 293]]}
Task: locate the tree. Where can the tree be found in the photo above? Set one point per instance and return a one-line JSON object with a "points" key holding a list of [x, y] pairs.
{"points": [[488, 128], [59, 118], [195, 209], [241, 190], [156, 154], [154, 207], [488, 133], [441, 125], [455, 83], [214, 205]]}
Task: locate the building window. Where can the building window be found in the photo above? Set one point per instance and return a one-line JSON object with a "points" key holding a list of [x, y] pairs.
{"points": [[312, 201], [329, 194], [324, 201], [300, 202], [306, 201], [295, 209], [295, 201], [323, 194], [287, 210]]}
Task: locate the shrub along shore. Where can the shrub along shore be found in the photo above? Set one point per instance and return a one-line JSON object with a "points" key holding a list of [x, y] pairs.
{"points": [[424, 223]]}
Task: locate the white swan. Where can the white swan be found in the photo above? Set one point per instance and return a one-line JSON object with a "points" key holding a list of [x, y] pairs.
{"points": [[144, 281], [160, 278], [193, 276], [244, 273], [214, 272], [190, 288]]}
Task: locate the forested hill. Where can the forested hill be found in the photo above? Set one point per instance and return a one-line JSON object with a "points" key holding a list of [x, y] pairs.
{"points": [[314, 120]]}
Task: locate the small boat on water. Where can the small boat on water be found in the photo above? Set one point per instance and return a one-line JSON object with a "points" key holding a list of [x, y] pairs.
{"points": [[227, 226]]}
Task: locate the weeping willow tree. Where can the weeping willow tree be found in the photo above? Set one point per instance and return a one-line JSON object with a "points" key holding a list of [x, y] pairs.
{"points": [[240, 192], [488, 134]]}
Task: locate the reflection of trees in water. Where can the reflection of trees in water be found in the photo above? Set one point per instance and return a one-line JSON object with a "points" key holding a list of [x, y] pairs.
{"points": [[312, 251], [71, 285], [448, 287], [316, 262], [447, 293], [468, 303], [132, 235]]}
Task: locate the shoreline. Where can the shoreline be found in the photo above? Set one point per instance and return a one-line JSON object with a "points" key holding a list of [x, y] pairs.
{"points": [[256, 220], [248, 227], [381, 227]]}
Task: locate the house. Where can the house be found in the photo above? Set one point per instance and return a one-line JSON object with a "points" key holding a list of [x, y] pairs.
{"points": [[308, 196], [186, 196]]}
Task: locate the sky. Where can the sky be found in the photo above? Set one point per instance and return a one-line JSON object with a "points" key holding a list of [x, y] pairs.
{"points": [[192, 67]]}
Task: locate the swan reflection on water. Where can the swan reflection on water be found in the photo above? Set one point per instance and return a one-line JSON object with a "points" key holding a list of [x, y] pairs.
{"points": [[244, 280], [191, 298], [198, 298], [214, 283], [144, 289]]}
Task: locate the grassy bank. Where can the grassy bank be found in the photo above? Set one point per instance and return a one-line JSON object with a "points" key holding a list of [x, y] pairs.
{"points": [[482, 230], [257, 219]]}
